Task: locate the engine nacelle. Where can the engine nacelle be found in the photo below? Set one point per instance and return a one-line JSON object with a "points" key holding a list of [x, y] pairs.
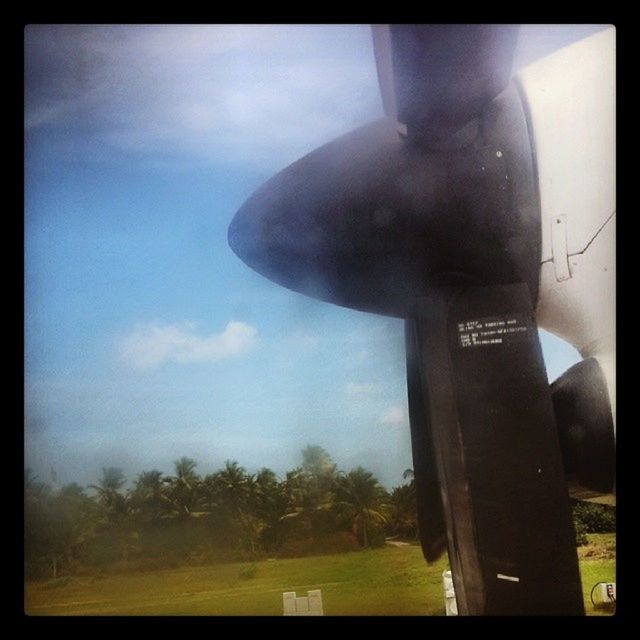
{"points": [[572, 131]]}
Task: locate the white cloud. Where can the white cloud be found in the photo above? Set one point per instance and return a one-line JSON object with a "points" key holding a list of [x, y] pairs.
{"points": [[150, 345], [393, 417], [361, 389]]}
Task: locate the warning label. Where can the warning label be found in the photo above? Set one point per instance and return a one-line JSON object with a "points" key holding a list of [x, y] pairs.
{"points": [[495, 330]]}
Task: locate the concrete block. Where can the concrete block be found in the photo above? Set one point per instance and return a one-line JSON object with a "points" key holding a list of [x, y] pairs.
{"points": [[289, 603], [302, 605], [315, 602]]}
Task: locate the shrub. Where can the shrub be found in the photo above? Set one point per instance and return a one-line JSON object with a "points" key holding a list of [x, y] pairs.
{"points": [[581, 534], [590, 517], [377, 537]]}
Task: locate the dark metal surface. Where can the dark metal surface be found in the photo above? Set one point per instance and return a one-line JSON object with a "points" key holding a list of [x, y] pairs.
{"points": [[510, 535], [431, 523], [445, 74], [585, 426]]}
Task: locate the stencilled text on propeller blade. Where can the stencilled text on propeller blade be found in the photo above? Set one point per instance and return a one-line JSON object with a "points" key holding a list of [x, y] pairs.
{"points": [[492, 331]]}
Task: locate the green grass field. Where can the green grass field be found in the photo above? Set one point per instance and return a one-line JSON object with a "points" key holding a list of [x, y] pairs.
{"points": [[387, 581]]}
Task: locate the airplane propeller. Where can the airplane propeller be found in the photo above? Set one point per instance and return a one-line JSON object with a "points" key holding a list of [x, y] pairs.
{"points": [[432, 214]]}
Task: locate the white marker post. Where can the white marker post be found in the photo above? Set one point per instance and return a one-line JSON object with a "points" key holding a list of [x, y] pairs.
{"points": [[450, 603]]}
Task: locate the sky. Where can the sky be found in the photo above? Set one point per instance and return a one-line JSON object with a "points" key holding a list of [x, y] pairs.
{"points": [[146, 338]]}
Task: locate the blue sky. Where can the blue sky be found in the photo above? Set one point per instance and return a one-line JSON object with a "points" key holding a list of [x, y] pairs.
{"points": [[146, 338]]}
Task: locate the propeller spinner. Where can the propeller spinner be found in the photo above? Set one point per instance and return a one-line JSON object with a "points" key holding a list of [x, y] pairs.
{"points": [[369, 219]]}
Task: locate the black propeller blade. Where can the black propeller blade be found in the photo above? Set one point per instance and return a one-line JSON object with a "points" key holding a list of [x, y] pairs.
{"points": [[445, 74], [585, 427], [431, 519]]}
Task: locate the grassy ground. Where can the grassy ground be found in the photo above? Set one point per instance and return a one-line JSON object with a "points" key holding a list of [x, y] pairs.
{"points": [[388, 581]]}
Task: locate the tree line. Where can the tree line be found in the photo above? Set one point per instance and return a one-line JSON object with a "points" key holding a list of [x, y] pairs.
{"points": [[231, 514]]}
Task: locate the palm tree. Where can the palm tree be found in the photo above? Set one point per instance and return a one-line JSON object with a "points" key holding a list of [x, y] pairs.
{"points": [[363, 501], [262, 488], [184, 494], [238, 494], [309, 501], [403, 511], [233, 487], [295, 484], [108, 489], [185, 468], [270, 505], [116, 508], [148, 496], [266, 478], [149, 483]]}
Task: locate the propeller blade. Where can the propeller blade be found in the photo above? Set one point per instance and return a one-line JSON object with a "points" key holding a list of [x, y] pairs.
{"points": [[445, 74], [431, 523], [585, 427], [384, 66], [511, 540]]}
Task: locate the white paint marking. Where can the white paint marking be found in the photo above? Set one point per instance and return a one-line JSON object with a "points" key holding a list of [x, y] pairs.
{"points": [[501, 576]]}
